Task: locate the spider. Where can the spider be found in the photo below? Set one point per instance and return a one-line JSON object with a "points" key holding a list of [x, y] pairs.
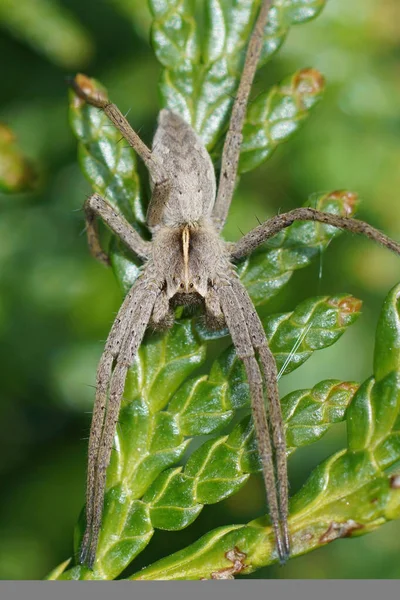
{"points": [[187, 261]]}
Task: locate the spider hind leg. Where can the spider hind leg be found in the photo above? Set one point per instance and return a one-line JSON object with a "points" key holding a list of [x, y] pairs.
{"points": [[119, 354], [249, 338]]}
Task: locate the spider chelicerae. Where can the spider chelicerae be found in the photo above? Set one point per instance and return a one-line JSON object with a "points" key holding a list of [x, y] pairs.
{"points": [[185, 261]]}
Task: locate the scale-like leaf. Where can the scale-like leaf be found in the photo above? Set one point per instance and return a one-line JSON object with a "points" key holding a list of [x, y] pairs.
{"points": [[148, 440], [276, 115], [202, 69], [206, 404], [351, 493], [271, 267], [160, 410], [308, 414]]}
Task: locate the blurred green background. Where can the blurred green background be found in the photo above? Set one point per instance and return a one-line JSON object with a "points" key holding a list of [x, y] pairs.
{"points": [[57, 304]]}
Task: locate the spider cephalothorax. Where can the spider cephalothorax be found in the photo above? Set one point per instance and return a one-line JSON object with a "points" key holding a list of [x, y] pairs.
{"points": [[187, 262]]}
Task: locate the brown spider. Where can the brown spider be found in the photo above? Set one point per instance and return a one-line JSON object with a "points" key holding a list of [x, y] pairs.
{"points": [[187, 260]]}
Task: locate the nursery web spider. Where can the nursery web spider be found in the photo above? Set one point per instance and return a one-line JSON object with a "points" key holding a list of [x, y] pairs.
{"points": [[187, 260]]}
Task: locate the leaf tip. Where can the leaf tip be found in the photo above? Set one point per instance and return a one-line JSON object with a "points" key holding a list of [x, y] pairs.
{"points": [[236, 557], [338, 530], [349, 201], [346, 305], [346, 386], [309, 81], [85, 87]]}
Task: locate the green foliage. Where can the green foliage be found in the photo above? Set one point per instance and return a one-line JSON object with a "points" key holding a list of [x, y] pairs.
{"points": [[162, 410], [275, 115], [201, 68], [155, 480], [48, 27], [351, 493], [16, 173]]}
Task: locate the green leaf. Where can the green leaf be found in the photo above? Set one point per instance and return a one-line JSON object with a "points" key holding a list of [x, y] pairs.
{"points": [[16, 173], [221, 466], [209, 557], [308, 414], [58, 570], [315, 324], [160, 409], [147, 441], [372, 420], [215, 470], [271, 267], [276, 115], [202, 70], [110, 168], [206, 404], [108, 165], [388, 336], [351, 493]]}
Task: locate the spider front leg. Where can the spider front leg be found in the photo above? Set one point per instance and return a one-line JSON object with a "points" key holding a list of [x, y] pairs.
{"points": [[104, 371], [121, 347], [268, 364], [84, 89], [233, 140], [247, 337], [263, 232], [96, 206], [162, 316]]}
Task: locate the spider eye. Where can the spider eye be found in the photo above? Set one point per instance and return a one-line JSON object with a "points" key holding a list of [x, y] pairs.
{"points": [[190, 285], [182, 286]]}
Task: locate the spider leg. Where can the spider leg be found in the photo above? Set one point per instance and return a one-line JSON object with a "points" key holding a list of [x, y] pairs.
{"points": [[104, 370], [162, 316], [214, 316], [83, 87], [121, 347], [270, 373], [233, 140], [237, 324], [96, 206], [263, 232]]}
